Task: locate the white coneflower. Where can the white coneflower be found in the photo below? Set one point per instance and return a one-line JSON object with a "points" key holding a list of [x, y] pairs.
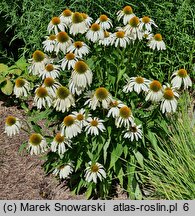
{"points": [[94, 125], [69, 61], [79, 48], [95, 33], [37, 62], [74, 89], [104, 22], [147, 35], [136, 84], [156, 42], [89, 95], [80, 117], [64, 99], [60, 144], [12, 125], [87, 19], [81, 75], [155, 91], [63, 41], [114, 108], [78, 24], [181, 76], [64, 170], [66, 17], [94, 171], [169, 102], [50, 70], [51, 85], [126, 13], [70, 127], [132, 29], [120, 39], [21, 88], [49, 43], [56, 24], [42, 98], [106, 40], [146, 23], [125, 117], [37, 144], [100, 97], [133, 132]]}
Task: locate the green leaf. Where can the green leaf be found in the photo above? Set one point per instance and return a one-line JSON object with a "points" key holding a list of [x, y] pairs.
{"points": [[120, 176], [24, 106], [120, 74], [47, 167], [126, 151], [126, 76], [90, 62], [131, 178], [21, 63], [36, 128], [3, 68], [138, 193], [30, 77], [148, 53], [116, 153], [2, 79], [78, 164], [89, 191], [100, 146], [22, 147], [140, 158], [79, 186], [151, 137], [107, 143], [90, 154], [15, 71], [111, 79], [105, 149], [7, 88], [134, 65], [95, 144], [39, 115]]}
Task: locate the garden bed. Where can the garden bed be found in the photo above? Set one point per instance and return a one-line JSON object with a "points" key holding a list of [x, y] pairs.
{"points": [[21, 175]]}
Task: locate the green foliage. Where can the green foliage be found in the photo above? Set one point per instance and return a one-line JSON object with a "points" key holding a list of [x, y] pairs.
{"points": [[170, 166], [29, 20], [176, 21], [9, 74]]}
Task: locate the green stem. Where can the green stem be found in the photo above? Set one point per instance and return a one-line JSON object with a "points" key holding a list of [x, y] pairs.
{"points": [[28, 132], [119, 66]]}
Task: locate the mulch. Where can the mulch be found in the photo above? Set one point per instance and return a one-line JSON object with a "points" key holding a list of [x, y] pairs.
{"points": [[22, 177]]}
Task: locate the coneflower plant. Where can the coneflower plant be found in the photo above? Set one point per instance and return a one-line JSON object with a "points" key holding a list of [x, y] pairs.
{"points": [[98, 99]]}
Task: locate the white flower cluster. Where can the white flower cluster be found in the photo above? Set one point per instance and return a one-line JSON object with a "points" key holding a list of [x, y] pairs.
{"points": [[60, 42], [155, 92], [68, 55]]}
